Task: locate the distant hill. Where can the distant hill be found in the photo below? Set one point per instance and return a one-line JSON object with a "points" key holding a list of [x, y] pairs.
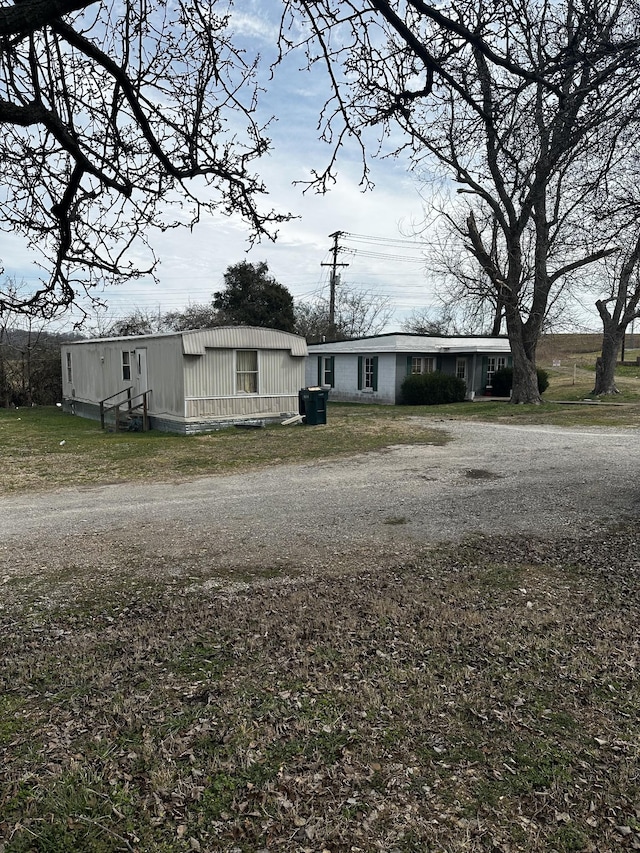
{"points": [[30, 369], [581, 348], [564, 346], [19, 338]]}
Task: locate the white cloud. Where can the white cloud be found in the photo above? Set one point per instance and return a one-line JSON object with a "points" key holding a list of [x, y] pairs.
{"points": [[254, 26]]}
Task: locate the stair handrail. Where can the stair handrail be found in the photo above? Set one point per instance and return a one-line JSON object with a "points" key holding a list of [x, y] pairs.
{"points": [[126, 391], [121, 391], [130, 398]]}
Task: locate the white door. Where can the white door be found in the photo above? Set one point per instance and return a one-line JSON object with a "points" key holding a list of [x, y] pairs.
{"points": [[141, 381]]}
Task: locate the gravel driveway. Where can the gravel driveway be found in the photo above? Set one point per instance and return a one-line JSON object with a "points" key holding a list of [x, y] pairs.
{"points": [[488, 479]]}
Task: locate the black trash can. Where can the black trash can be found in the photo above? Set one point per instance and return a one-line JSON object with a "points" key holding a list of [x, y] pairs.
{"points": [[312, 405]]}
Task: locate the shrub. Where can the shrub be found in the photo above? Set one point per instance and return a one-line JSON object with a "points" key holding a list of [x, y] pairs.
{"points": [[503, 380], [431, 389], [543, 380]]}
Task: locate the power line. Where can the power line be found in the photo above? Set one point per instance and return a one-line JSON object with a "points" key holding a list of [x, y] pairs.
{"points": [[389, 241], [382, 256], [378, 243]]}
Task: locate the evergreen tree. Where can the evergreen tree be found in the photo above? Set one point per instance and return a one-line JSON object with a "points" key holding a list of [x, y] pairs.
{"points": [[252, 297]]}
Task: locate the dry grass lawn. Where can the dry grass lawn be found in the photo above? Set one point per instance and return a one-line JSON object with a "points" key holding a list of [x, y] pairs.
{"points": [[478, 698], [46, 448], [483, 698]]}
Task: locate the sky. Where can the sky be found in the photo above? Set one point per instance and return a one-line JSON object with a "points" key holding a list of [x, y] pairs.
{"points": [[384, 239], [192, 262]]}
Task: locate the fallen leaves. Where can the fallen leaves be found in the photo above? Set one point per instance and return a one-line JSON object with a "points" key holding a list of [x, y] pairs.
{"points": [[398, 708]]}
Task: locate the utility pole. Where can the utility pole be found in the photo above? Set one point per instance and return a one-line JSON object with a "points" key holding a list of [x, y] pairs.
{"points": [[333, 278]]}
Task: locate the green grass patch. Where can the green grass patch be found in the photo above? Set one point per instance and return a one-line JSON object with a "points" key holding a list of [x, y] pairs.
{"points": [[11, 719], [32, 455], [75, 811], [203, 660], [499, 577], [43, 448]]}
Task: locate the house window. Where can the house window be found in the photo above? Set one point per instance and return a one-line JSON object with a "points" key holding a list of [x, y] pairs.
{"points": [[368, 372], [69, 373], [247, 371], [126, 366], [421, 364], [326, 370], [491, 369], [461, 368]]}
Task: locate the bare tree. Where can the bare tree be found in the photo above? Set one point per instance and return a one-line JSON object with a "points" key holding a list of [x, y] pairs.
{"points": [[361, 312], [138, 322], [357, 313], [5, 362], [427, 321], [616, 210], [467, 293], [29, 357], [617, 312], [520, 104], [462, 286], [112, 114], [195, 316]]}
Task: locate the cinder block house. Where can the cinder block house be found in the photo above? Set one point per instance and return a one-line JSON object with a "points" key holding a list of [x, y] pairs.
{"points": [[372, 369], [187, 382]]}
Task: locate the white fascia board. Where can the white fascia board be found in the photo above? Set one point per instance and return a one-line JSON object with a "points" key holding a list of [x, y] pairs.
{"points": [[412, 344]]}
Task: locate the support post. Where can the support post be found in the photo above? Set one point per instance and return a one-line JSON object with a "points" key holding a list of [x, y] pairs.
{"points": [[333, 279]]}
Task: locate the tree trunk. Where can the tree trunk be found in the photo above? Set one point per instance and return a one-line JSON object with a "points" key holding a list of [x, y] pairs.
{"points": [[606, 362], [525, 378], [523, 350], [497, 318], [5, 390]]}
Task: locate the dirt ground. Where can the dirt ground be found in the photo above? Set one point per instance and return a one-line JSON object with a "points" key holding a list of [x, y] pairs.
{"points": [[487, 479]]}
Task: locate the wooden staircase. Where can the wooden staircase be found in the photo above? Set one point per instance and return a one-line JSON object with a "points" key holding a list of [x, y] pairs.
{"points": [[126, 413]]}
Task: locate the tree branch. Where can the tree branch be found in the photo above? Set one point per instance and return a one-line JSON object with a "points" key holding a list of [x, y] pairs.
{"points": [[581, 262], [28, 16]]}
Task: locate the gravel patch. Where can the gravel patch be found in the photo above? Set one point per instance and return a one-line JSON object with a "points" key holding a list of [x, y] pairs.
{"points": [[489, 479]]}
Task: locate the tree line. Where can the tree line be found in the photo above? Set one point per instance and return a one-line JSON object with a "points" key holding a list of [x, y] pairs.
{"points": [[30, 372]]}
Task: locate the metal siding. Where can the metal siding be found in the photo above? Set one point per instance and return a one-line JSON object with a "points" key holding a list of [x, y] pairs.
{"points": [[242, 337], [211, 384], [165, 375], [174, 378], [97, 371], [279, 372], [209, 375], [214, 373], [242, 405]]}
